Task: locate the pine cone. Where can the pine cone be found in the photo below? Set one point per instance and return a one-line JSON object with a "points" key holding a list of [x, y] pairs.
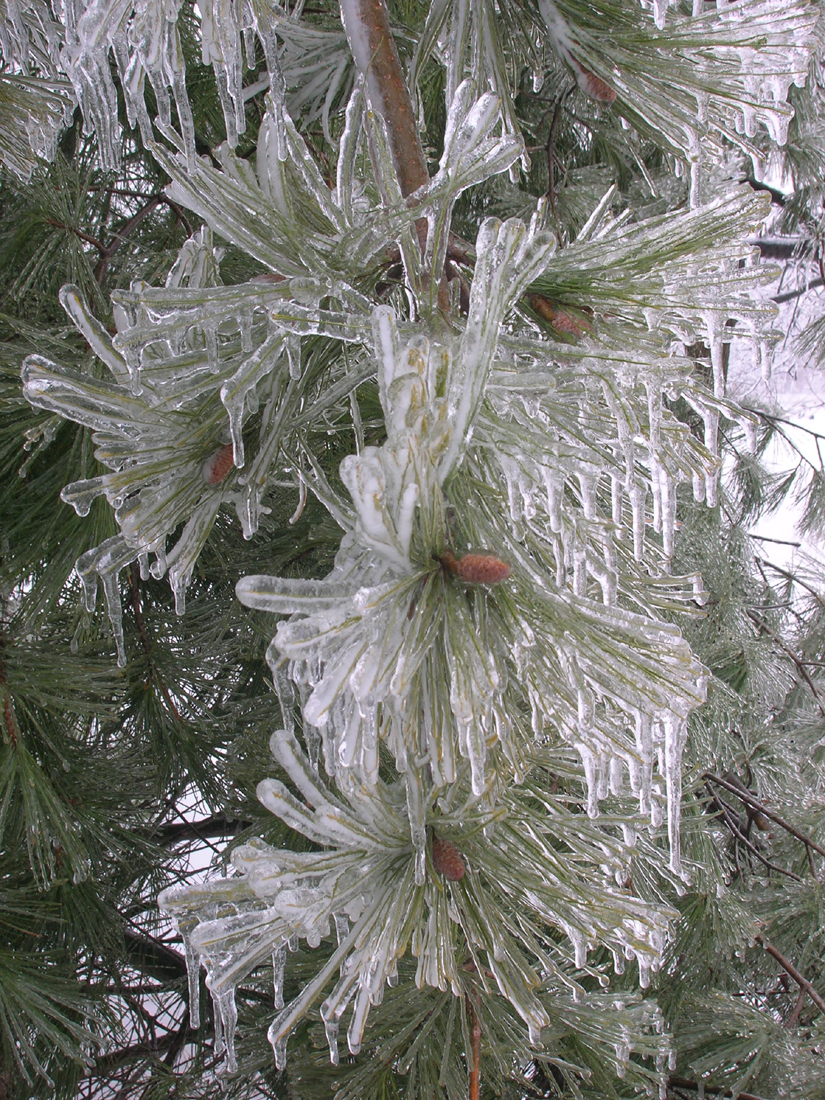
{"points": [[476, 568], [447, 859], [218, 465]]}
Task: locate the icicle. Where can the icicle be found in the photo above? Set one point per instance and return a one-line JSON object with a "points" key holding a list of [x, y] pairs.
{"points": [[278, 968], [418, 832], [331, 1029], [674, 728], [193, 966], [227, 1013], [111, 591]]}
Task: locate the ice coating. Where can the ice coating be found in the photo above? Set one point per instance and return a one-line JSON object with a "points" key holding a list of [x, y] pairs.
{"points": [[563, 462], [768, 48], [367, 870]]}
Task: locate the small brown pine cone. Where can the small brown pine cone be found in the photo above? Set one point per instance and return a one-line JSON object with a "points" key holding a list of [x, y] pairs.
{"points": [[218, 465], [593, 85], [447, 859], [563, 322], [476, 568]]}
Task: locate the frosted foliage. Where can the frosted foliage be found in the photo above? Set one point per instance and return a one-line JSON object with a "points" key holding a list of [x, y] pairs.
{"points": [[363, 884], [720, 74], [501, 608], [175, 396], [35, 101], [144, 39]]}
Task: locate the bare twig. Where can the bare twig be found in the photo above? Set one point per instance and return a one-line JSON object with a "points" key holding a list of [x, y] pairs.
{"points": [[710, 1090], [9, 717], [792, 577], [119, 237], [551, 150], [800, 664], [757, 805], [475, 1049], [789, 295], [373, 49], [789, 967], [797, 1008], [728, 816], [87, 237]]}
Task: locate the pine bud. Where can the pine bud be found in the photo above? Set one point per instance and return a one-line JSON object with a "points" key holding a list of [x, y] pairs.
{"points": [[563, 322], [447, 859], [595, 87], [475, 568], [218, 465]]}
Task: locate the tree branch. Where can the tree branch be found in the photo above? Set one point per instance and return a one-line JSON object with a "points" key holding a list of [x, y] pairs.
{"points": [[789, 967], [474, 1023], [751, 847], [803, 672], [215, 826], [748, 798], [9, 718], [710, 1090], [367, 26]]}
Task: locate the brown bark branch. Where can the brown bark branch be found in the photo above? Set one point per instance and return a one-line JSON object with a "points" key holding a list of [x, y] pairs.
{"points": [[373, 49], [474, 1084], [87, 237], [789, 967], [9, 716], [750, 800], [710, 1090], [803, 672], [119, 237], [217, 825], [740, 836]]}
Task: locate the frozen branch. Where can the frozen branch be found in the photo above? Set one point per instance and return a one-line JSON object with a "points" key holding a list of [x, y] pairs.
{"points": [[367, 25], [749, 799], [789, 967], [710, 1090], [475, 1049], [758, 621]]}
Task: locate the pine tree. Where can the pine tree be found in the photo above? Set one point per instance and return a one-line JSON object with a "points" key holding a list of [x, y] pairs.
{"points": [[380, 352]]}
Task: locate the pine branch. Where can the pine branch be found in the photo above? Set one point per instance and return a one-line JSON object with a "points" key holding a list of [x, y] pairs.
{"points": [[218, 825], [800, 980], [786, 649], [373, 47], [710, 1090], [757, 805]]}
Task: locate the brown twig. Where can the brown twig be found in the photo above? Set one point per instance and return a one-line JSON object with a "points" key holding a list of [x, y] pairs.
{"points": [[789, 967], [791, 576], [9, 716], [728, 816], [159, 196], [710, 1090], [748, 798], [797, 1008], [551, 157], [87, 237], [474, 1023], [119, 237], [800, 664], [375, 54]]}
